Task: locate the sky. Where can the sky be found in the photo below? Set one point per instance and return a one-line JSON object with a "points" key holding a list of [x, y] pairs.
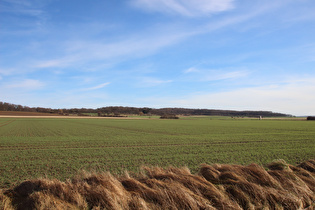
{"points": [[213, 54]]}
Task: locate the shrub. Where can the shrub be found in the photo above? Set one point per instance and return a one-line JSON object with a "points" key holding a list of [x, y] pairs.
{"points": [[169, 116], [310, 118]]}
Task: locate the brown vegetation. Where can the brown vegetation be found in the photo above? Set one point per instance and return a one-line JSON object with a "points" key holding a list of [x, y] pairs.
{"points": [[20, 113], [169, 116], [216, 186], [120, 110], [310, 118]]}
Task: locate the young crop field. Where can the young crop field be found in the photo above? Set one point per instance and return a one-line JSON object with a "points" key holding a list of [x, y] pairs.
{"points": [[60, 147]]}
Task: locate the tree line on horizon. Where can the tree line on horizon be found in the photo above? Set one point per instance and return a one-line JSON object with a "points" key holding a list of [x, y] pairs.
{"points": [[121, 110]]}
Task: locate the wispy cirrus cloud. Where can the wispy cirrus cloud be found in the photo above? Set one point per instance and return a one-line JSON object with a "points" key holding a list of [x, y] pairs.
{"points": [[147, 42], [214, 74], [237, 49], [25, 8], [133, 46], [190, 70], [151, 82], [25, 84], [6, 71], [76, 52], [97, 86], [52, 63], [292, 97], [188, 8]]}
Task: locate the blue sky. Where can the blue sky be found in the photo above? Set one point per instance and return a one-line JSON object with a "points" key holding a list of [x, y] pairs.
{"points": [[215, 54]]}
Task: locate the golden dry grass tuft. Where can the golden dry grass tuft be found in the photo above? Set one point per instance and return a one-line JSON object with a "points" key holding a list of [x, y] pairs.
{"points": [[217, 186]]}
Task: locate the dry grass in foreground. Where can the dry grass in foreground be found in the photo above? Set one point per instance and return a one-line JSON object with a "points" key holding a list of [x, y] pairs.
{"points": [[216, 186]]}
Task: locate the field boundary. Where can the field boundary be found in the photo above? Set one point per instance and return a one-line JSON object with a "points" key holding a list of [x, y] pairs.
{"points": [[70, 117], [217, 186]]}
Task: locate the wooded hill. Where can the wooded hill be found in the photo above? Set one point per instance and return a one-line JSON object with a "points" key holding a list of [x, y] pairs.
{"points": [[120, 110]]}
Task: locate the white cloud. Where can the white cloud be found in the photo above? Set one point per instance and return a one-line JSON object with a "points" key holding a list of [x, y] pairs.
{"points": [[98, 86], [26, 84], [25, 8], [293, 97], [143, 43], [83, 52], [50, 63], [151, 82], [217, 75], [214, 75], [190, 70], [6, 72], [185, 7], [18, 2]]}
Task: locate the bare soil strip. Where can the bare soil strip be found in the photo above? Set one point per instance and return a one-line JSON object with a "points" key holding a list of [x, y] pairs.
{"points": [[17, 114], [65, 117]]}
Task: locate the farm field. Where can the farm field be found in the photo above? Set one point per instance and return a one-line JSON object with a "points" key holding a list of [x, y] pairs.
{"points": [[60, 147]]}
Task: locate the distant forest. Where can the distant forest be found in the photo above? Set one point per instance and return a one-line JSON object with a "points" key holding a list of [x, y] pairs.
{"points": [[120, 110]]}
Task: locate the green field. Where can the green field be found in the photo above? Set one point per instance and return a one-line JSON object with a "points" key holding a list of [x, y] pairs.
{"points": [[59, 148]]}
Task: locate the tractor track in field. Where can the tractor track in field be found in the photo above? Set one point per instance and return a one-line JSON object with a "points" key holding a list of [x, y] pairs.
{"points": [[126, 129], [6, 123], [130, 146]]}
